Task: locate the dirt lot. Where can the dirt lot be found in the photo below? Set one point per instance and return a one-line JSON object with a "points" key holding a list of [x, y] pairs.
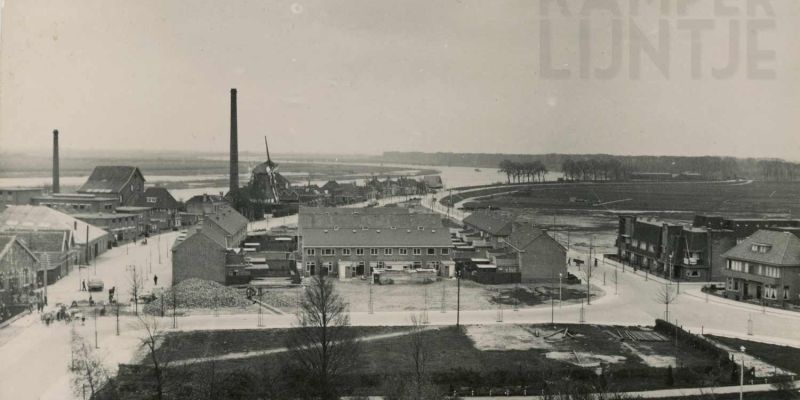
{"points": [[418, 296]]}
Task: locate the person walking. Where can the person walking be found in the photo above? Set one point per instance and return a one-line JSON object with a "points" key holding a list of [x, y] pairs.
{"points": [[155, 280], [83, 285]]}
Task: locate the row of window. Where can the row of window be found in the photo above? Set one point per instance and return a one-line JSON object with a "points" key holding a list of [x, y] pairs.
{"points": [[642, 245], [755, 269], [760, 248], [328, 265], [770, 291], [376, 251]]}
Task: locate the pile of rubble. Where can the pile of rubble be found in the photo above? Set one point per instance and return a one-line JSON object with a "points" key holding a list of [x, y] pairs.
{"points": [[198, 293]]}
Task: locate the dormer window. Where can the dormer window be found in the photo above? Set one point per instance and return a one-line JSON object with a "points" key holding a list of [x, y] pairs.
{"points": [[760, 248]]}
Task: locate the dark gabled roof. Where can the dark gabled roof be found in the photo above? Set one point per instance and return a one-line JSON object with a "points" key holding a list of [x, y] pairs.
{"points": [[229, 220], [525, 234], [206, 198], [371, 227], [434, 181], [375, 217], [784, 249], [109, 179], [163, 197], [490, 222], [43, 241], [383, 237], [208, 236]]}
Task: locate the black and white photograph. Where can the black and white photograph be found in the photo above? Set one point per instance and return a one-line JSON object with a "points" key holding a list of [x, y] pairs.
{"points": [[399, 200]]}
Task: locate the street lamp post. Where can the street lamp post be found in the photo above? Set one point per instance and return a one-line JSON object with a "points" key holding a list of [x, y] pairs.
{"points": [[741, 374], [560, 275]]}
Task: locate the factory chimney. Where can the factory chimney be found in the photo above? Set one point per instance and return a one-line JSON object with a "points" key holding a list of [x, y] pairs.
{"points": [[234, 167], [56, 186]]}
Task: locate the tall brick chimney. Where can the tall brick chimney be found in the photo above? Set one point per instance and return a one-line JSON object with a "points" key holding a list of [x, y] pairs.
{"points": [[234, 155], [56, 185]]}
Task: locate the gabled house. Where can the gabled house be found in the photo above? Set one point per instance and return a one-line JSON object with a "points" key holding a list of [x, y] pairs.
{"points": [[121, 182], [764, 267], [202, 204], [206, 250], [490, 228], [539, 256], [18, 266], [163, 215], [433, 182]]}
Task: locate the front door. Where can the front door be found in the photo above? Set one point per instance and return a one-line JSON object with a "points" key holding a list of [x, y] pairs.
{"points": [[758, 292], [745, 285]]}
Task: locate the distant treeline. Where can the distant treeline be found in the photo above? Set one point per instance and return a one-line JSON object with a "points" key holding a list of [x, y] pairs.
{"points": [[614, 166]]}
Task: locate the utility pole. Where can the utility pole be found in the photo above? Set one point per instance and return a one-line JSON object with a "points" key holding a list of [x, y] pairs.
{"points": [[589, 274], [443, 304], [458, 297], [95, 328], [371, 303]]}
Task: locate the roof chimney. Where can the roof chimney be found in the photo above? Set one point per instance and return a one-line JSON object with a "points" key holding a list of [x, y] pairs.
{"points": [[234, 152], [56, 185]]}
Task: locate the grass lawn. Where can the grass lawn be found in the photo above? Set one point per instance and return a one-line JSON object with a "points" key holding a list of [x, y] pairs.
{"points": [[784, 357], [185, 345]]}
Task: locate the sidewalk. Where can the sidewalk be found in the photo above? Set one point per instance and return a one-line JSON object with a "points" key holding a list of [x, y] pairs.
{"points": [[660, 394]]}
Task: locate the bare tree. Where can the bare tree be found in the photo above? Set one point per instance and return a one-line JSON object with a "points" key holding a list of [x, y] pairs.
{"points": [[323, 347], [666, 295], [135, 286], [88, 371], [419, 356], [151, 341]]}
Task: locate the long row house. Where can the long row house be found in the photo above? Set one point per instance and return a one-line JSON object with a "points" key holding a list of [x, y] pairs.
{"points": [[404, 243]]}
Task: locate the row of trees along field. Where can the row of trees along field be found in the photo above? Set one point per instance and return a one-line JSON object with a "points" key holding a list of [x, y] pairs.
{"points": [[523, 171], [611, 166]]}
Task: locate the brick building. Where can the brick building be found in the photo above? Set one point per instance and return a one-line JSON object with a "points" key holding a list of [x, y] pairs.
{"points": [[163, 214], [124, 183], [693, 253]]}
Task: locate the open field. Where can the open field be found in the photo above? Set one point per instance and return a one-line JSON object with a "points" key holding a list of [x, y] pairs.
{"points": [[533, 357], [582, 213], [419, 297], [755, 198]]}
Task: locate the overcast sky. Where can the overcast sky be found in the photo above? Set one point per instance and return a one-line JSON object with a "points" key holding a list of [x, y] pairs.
{"points": [[369, 76]]}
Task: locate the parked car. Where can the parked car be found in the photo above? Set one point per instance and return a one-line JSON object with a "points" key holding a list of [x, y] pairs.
{"points": [[147, 297], [95, 285]]}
